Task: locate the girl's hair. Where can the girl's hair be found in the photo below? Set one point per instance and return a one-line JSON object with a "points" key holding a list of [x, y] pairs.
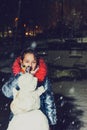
{"points": [[31, 51]]}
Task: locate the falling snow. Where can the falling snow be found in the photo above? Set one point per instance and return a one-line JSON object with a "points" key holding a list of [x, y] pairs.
{"points": [[70, 98]]}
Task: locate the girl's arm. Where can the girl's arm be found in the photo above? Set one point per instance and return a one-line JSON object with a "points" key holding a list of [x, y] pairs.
{"points": [[7, 88], [49, 104]]}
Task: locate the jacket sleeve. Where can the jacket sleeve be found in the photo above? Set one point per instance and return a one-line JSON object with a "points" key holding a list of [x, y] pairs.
{"points": [[7, 88], [49, 103]]}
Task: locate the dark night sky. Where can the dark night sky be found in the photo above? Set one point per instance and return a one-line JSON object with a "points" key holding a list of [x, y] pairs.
{"points": [[32, 10], [29, 9]]}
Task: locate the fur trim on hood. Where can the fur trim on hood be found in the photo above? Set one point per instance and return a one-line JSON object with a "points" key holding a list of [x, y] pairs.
{"points": [[40, 74]]}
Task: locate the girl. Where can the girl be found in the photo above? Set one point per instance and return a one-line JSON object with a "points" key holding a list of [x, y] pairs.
{"points": [[37, 67]]}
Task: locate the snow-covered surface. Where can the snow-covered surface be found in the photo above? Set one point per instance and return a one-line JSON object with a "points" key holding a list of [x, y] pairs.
{"points": [[78, 91], [5, 65], [6, 69]]}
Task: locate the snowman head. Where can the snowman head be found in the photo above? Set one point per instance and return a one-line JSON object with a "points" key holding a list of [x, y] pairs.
{"points": [[27, 82]]}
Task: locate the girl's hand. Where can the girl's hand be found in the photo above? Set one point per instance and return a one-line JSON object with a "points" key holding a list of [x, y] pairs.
{"points": [[34, 71]]}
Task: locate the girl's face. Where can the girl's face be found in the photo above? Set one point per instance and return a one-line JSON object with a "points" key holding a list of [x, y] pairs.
{"points": [[29, 60]]}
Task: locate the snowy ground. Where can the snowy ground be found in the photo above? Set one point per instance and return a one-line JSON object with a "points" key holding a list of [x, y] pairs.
{"points": [[73, 102]]}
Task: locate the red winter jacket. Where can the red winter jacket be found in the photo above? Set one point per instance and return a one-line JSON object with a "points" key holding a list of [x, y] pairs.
{"points": [[40, 74]]}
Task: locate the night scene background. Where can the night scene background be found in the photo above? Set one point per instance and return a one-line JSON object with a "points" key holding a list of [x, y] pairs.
{"points": [[57, 29]]}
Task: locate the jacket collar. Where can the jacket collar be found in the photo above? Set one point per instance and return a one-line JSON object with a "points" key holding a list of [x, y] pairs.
{"points": [[40, 74]]}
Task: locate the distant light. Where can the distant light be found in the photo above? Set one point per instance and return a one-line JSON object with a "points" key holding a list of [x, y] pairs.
{"points": [[10, 31], [16, 19], [24, 25], [36, 26], [26, 34]]}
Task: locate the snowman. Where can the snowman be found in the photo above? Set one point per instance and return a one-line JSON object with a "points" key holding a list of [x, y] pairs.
{"points": [[26, 105]]}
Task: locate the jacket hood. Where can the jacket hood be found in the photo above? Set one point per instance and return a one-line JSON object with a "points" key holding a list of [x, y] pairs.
{"points": [[40, 74]]}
